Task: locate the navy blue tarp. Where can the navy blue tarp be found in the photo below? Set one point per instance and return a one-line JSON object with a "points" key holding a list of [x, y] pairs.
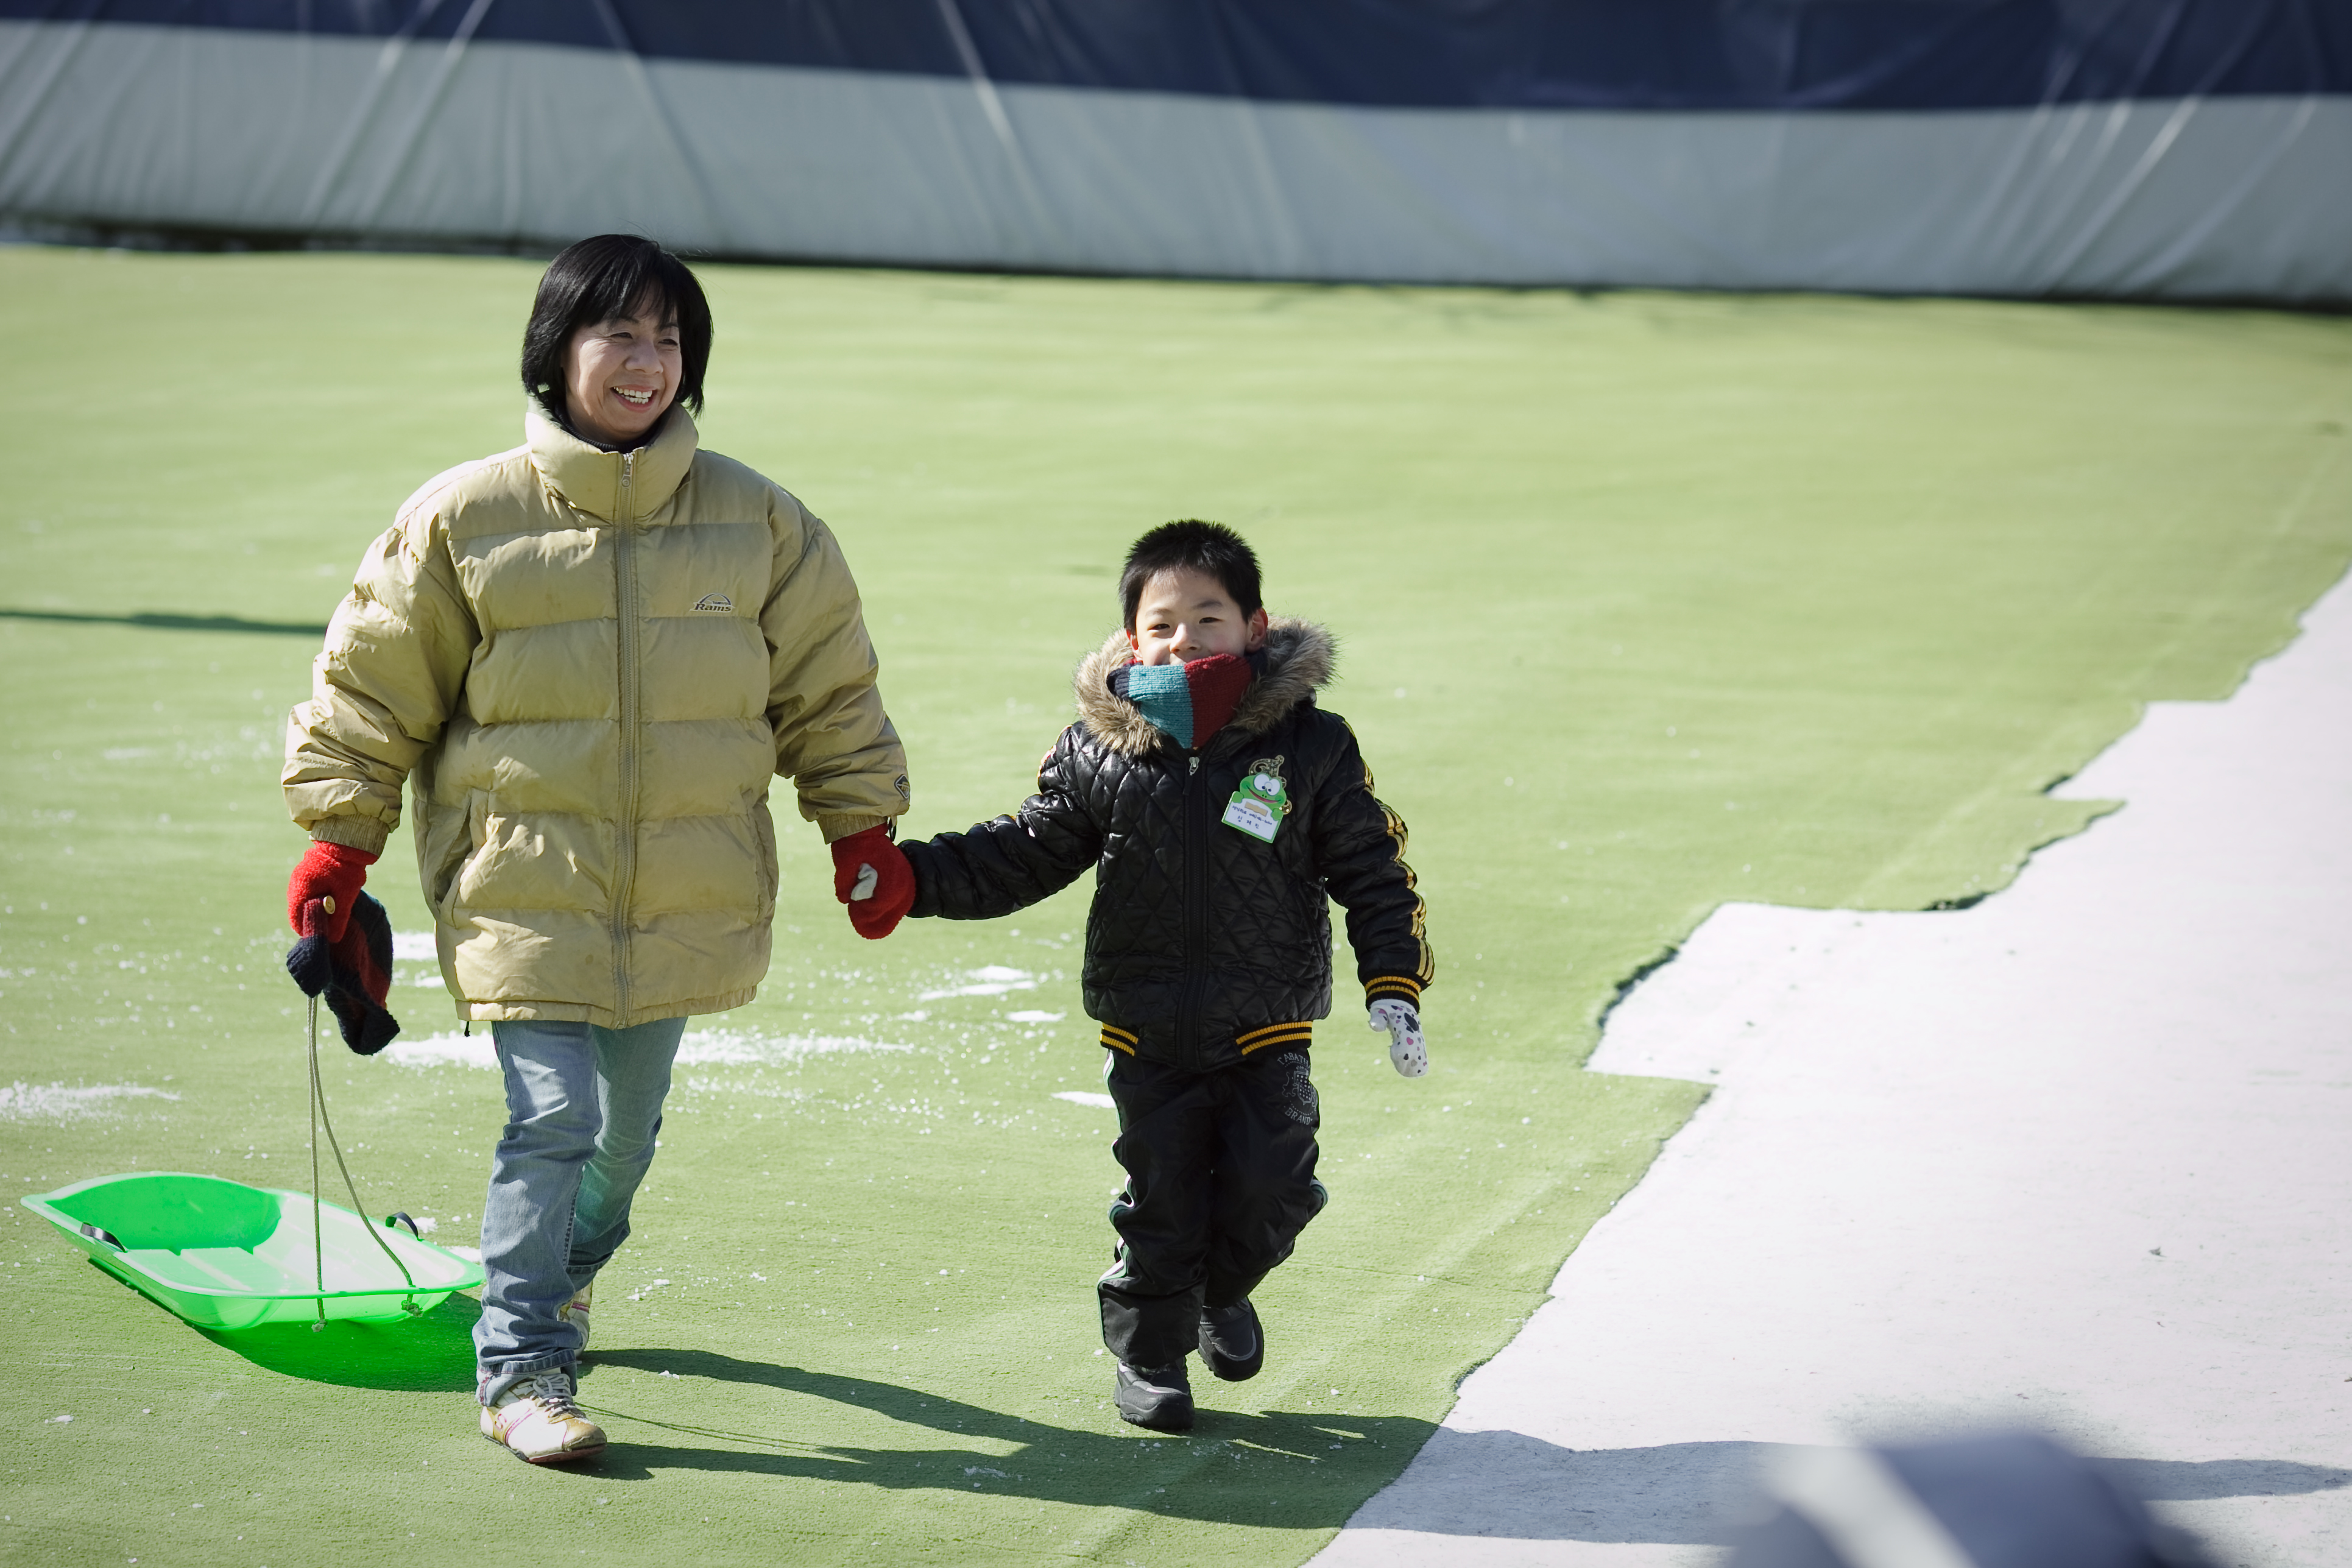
{"points": [[1486, 54]]}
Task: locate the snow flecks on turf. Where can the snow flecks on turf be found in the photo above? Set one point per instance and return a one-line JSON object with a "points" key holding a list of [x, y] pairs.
{"points": [[119, 989], [700, 1047], [728, 1047], [22, 1101], [988, 980], [863, 1055]]}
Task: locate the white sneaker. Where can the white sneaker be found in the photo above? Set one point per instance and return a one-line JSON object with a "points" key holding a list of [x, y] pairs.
{"points": [[537, 1419], [576, 1311]]}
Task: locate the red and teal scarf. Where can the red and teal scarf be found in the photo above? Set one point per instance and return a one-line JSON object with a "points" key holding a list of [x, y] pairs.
{"points": [[1189, 702]]}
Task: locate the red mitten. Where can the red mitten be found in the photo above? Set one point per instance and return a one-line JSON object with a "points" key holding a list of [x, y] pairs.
{"points": [[333, 872], [874, 879]]}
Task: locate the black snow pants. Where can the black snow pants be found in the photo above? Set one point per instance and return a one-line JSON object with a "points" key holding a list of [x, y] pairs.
{"points": [[1220, 1181]]}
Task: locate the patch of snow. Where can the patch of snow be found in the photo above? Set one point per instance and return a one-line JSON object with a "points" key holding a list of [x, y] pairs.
{"points": [[448, 1050], [1034, 1016], [1085, 1097], [22, 1101], [470, 1254], [988, 980], [415, 947]]}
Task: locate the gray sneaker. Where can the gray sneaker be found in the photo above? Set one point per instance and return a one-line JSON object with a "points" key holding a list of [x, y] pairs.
{"points": [[1157, 1397]]}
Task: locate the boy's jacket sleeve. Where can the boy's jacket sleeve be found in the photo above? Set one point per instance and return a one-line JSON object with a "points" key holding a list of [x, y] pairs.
{"points": [[1359, 847], [995, 868]]}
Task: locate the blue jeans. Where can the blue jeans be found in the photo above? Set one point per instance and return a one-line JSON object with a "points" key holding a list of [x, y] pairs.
{"points": [[584, 1107]]}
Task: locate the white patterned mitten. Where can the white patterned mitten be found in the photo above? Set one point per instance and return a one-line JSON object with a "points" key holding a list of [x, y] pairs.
{"points": [[1403, 1024]]}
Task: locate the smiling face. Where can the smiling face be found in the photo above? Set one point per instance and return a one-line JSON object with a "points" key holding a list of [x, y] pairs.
{"points": [[621, 374], [1185, 615]]}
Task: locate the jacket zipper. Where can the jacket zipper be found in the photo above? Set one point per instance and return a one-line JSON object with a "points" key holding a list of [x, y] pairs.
{"points": [[625, 865], [1196, 913]]}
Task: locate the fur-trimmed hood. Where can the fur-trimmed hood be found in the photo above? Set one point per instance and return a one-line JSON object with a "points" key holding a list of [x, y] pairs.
{"points": [[1299, 657]]}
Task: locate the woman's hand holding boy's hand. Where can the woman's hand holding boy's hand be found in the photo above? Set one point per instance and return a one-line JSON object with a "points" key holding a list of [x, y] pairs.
{"points": [[1406, 1051], [330, 875], [874, 879]]}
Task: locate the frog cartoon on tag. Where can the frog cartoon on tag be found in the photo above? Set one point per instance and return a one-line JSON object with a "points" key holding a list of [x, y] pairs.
{"points": [[1262, 801]]}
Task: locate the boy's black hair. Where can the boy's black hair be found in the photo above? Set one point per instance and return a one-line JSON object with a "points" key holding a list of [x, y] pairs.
{"points": [[598, 279], [1196, 546]]}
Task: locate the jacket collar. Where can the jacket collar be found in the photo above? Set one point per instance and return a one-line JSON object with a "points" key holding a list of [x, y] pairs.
{"points": [[589, 478], [1299, 658]]}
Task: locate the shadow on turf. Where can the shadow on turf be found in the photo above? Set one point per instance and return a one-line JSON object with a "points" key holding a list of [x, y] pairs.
{"points": [[1325, 1467], [1509, 1484], [1289, 1468], [430, 1353], [153, 622]]}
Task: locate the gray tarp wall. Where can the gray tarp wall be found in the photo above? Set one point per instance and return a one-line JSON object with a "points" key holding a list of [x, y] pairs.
{"points": [[2176, 148]]}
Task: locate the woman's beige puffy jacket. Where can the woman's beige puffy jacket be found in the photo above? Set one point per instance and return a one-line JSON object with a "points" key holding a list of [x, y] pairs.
{"points": [[591, 663]]}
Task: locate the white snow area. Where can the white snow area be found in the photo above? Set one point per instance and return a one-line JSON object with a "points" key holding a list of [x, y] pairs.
{"points": [[22, 1101], [415, 947], [1034, 1016], [448, 1050], [700, 1047], [2074, 1159], [1085, 1097], [988, 980]]}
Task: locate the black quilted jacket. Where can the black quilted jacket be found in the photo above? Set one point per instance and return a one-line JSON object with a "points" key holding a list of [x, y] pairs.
{"points": [[1205, 944]]}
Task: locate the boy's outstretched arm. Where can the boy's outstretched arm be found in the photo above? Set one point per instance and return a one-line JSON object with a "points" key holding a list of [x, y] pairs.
{"points": [[995, 868], [1360, 846]]}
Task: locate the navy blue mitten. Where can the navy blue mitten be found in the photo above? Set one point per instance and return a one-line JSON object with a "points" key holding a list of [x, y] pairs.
{"points": [[354, 973]]}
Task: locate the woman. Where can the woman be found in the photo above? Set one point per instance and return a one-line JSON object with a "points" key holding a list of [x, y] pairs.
{"points": [[590, 654]]}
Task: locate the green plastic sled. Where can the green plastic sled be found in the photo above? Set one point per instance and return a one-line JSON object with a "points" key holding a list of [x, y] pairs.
{"points": [[225, 1255]]}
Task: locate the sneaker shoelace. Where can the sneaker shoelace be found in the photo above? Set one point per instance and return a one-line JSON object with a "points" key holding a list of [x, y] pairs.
{"points": [[554, 1397]]}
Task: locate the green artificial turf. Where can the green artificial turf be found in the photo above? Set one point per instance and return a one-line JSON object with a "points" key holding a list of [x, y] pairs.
{"points": [[1646, 603]]}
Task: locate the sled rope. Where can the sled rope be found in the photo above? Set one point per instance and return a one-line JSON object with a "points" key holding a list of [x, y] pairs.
{"points": [[318, 1118]]}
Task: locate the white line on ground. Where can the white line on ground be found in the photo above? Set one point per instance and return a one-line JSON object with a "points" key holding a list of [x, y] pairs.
{"points": [[2072, 1159]]}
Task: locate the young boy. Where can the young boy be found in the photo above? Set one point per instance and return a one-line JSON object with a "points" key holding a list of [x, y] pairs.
{"points": [[1218, 807]]}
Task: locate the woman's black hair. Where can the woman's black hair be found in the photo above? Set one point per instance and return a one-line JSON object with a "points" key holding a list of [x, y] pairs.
{"points": [[598, 279], [1192, 545]]}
